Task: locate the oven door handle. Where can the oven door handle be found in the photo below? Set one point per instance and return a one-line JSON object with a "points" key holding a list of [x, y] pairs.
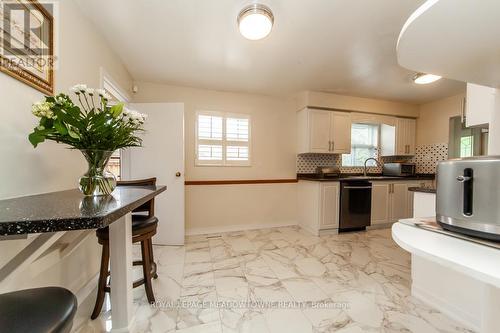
{"points": [[357, 187]]}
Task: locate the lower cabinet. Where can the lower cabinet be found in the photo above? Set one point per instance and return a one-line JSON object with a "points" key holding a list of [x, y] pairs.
{"points": [[380, 203], [318, 205], [391, 201]]}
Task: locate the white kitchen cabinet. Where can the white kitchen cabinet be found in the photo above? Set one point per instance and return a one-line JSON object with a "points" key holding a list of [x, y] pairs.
{"points": [[399, 202], [391, 201], [380, 203], [318, 206], [330, 195], [322, 131], [340, 132], [319, 131], [398, 140], [479, 105]]}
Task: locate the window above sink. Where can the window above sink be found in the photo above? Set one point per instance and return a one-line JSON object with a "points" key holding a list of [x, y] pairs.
{"points": [[364, 145]]}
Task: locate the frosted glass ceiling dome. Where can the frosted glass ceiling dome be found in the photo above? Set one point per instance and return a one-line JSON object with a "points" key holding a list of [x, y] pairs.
{"points": [[255, 21]]}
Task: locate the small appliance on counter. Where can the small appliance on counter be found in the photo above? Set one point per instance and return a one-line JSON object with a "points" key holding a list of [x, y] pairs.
{"points": [[468, 196], [328, 171], [399, 169]]}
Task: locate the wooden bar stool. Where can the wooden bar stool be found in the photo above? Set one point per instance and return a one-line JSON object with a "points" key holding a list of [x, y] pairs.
{"points": [[143, 229]]}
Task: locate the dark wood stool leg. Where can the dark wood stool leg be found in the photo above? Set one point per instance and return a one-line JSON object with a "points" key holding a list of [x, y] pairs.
{"points": [[151, 256], [146, 270], [103, 276]]}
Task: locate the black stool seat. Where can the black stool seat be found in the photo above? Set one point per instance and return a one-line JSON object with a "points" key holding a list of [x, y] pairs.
{"points": [[139, 224], [142, 221], [38, 310]]}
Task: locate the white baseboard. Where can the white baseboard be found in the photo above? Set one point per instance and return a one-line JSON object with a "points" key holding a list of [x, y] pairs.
{"points": [[236, 227], [308, 228], [449, 309]]}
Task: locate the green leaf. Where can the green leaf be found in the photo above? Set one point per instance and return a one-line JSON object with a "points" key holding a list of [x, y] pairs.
{"points": [[117, 109], [60, 127], [74, 111], [72, 133], [35, 138]]}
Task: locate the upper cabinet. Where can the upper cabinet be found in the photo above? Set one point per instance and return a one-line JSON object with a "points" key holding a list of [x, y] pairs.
{"points": [[479, 105], [398, 140], [457, 39], [321, 131]]}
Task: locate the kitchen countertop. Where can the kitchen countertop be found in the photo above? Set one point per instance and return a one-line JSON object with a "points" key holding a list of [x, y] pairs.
{"points": [[70, 210], [423, 189], [370, 177], [479, 261]]}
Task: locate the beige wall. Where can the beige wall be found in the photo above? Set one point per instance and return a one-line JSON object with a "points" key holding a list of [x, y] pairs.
{"points": [[50, 167], [273, 129], [273, 156], [350, 103], [433, 123]]}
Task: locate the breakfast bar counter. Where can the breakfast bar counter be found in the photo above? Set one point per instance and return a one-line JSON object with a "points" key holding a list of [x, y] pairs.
{"points": [[457, 274], [70, 210]]}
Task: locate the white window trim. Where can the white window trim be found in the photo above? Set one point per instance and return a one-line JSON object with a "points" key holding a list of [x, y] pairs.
{"points": [[224, 142], [110, 85]]}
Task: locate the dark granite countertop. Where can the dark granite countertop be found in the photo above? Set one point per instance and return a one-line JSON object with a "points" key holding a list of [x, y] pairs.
{"points": [[70, 210], [370, 177], [423, 189]]}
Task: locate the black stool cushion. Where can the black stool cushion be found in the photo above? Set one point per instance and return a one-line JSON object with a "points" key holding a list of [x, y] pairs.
{"points": [[139, 223], [50, 309]]}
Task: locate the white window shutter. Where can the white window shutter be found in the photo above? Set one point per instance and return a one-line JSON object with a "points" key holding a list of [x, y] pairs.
{"points": [[222, 139]]}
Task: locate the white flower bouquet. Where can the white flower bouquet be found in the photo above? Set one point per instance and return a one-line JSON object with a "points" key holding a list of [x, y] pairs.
{"points": [[94, 127]]}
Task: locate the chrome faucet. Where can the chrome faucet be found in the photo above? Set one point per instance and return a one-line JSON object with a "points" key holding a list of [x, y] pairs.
{"points": [[376, 161]]}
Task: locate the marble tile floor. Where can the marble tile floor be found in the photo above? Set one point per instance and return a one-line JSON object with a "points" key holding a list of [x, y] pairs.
{"points": [[280, 280]]}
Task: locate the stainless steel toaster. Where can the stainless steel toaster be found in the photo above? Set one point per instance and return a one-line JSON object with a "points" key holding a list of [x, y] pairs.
{"points": [[468, 196]]}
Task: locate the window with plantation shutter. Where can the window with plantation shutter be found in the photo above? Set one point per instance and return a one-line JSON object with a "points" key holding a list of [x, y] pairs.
{"points": [[222, 139]]}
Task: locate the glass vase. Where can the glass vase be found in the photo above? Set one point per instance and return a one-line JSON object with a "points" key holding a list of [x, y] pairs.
{"points": [[97, 181]]}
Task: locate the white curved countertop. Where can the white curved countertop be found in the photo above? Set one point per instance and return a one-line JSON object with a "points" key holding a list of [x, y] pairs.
{"points": [[478, 261], [457, 39]]}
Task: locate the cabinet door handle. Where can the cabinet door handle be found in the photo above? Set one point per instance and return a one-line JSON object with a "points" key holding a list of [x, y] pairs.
{"points": [[333, 145]]}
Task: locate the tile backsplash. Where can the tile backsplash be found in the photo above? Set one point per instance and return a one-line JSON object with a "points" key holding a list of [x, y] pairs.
{"points": [[426, 159]]}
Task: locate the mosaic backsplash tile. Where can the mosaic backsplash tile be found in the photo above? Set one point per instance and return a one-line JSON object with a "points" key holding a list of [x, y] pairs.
{"points": [[426, 159], [428, 156]]}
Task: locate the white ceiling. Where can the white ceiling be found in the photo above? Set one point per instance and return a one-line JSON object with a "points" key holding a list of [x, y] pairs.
{"points": [[341, 46]]}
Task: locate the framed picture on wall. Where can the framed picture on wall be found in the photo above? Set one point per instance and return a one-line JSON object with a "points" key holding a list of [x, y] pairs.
{"points": [[27, 42]]}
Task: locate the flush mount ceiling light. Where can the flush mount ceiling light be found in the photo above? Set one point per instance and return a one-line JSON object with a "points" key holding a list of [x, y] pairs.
{"points": [[422, 78], [255, 21]]}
